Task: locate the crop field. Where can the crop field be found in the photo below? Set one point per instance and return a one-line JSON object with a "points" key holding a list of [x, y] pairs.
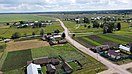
{"points": [[103, 39], [125, 38], [16, 59], [22, 17], [68, 52]]}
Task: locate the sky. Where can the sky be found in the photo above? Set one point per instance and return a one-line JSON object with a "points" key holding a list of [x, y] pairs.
{"points": [[62, 5]]}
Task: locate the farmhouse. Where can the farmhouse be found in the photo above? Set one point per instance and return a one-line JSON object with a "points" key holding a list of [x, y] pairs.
{"points": [[34, 69]]}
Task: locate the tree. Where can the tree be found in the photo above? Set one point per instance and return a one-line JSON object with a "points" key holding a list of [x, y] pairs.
{"points": [[73, 35], [16, 35], [33, 33], [7, 24], [118, 26], [130, 47], [89, 26], [95, 24], [21, 22], [108, 27], [63, 35], [57, 31], [86, 20], [42, 32], [85, 25]]}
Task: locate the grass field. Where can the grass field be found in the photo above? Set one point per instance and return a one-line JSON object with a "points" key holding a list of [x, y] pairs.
{"points": [[68, 52], [73, 27], [22, 17]]}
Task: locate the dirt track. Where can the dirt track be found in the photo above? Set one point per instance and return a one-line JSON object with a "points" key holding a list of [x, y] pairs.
{"points": [[23, 45]]}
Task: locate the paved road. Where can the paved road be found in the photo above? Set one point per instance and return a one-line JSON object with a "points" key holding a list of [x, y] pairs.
{"points": [[107, 63]]}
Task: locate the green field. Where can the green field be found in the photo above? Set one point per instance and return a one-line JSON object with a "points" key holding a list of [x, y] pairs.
{"points": [[22, 17], [73, 27], [15, 64]]}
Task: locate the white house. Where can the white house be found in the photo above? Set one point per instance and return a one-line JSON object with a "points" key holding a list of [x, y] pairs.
{"points": [[34, 69], [126, 48]]}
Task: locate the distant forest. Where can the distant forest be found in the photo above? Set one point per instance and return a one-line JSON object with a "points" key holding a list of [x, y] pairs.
{"points": [[81, 12]]}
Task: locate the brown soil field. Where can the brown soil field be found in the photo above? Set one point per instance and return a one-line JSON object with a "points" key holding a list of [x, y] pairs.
{"points": [[24, 45]]}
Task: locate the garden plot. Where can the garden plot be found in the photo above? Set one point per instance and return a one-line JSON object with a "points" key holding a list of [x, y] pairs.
{"points": [[102, 40]]}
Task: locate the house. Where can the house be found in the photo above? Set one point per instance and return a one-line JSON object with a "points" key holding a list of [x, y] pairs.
{"points": [[114, 53], [46, 60], [125, 47], [51, 69], [34, 69], [100, 48]]}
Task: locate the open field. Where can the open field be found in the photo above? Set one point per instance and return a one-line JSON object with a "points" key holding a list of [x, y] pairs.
{"points": [[24, 45], [67, 51], [22, 17]]}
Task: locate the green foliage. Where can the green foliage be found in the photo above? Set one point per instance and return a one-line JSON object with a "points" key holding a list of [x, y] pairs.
{"points": [[42, 32], [16, 35]]}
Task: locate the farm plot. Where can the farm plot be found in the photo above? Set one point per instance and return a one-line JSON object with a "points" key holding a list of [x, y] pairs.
{"points": [[65, 51], [84, 42], [125, 38], [16, 59], [102, 40], [24, 45]]}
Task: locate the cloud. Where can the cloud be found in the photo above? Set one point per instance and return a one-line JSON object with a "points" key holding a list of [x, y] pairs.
{"points": [[62, 5]]}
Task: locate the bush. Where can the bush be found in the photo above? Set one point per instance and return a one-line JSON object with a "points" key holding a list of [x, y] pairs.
{"points": [[16, 35]]}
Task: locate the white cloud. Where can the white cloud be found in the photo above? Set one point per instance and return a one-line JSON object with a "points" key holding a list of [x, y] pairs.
{"points": [[62, 5]]}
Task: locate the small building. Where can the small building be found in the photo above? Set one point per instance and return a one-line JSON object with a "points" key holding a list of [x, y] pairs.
{"points": [[51, 69], [68, 69], [34, 69], [62, 41], [41, 61]]}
